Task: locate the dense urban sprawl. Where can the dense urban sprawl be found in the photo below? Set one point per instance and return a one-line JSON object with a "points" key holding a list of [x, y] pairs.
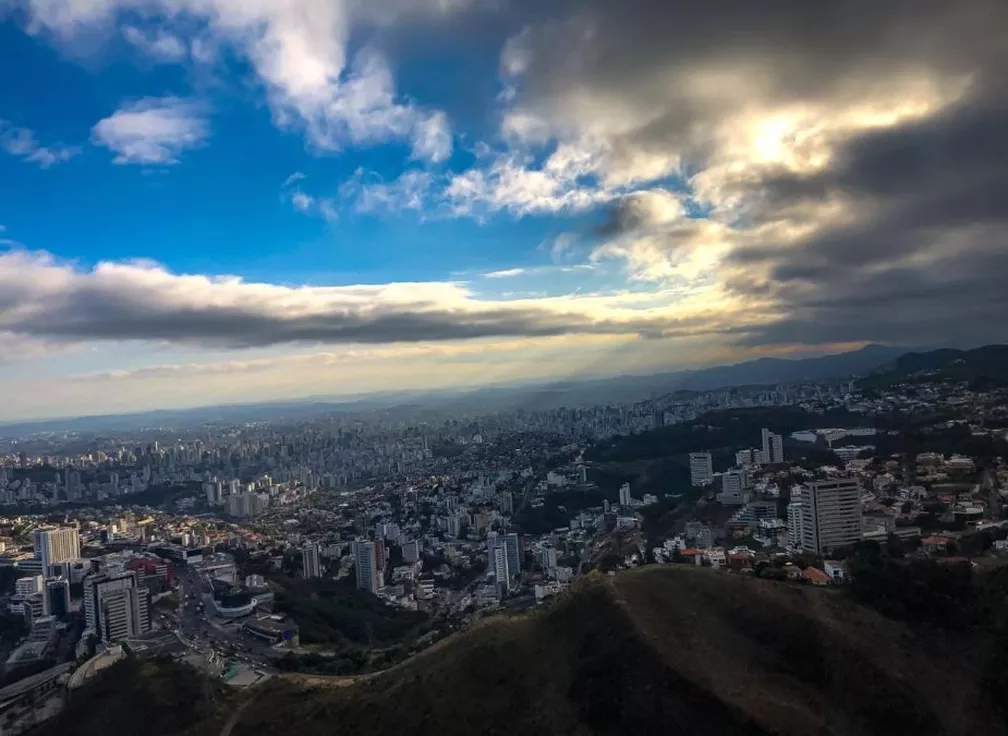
{"points": [[344, 543]]}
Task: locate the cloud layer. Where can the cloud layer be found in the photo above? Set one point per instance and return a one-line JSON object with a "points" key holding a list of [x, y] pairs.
{"points": [[42, 298], [837, 162], [759, 174]]}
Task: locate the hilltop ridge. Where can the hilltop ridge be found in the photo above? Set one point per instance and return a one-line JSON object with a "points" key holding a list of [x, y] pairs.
{"points": [[645, 652]]}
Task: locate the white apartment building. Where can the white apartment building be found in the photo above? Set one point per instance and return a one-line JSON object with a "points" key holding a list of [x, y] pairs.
{"points": [[500, 567], [26, 586], [53, 546], [773, 447], [830, 514], [116, 607], [701, 468], [549, 558], [311, 565], [794, 521], [733, 485]]}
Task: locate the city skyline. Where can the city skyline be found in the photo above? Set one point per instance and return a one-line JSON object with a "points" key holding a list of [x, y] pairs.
{"points": [[209, 202]]}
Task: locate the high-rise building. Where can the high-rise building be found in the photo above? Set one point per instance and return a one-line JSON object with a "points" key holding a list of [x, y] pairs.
{"points": [[794, 523], [214, 492], [512, 547], [625, 499], [831, 514], [500, 567], [777, 448], [744, 458], [56, 545], [549, 558], [390, 532], [57, 593], [411, 551], [701, 468], [773, 447], [733, 485], [364, 561], [381, 559], [116, 607], [505, 503], [311, 565]]}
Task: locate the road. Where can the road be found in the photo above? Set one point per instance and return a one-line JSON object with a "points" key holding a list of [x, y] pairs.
{"points": [[198, 630]]}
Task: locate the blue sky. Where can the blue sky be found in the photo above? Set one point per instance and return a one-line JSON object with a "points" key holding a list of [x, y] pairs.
{"points": [[207, 201]]}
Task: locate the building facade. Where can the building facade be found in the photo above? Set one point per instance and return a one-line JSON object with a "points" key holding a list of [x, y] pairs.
{"points": [[830, 514], [365, 564], [311, 565], [500, 567], [56, 545], [701, 468], [116, 606], [773, 447], [794, 523], [57, 592]]}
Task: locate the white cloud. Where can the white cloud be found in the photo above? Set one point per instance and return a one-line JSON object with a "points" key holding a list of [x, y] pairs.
{"points": [[507, 273], [302, 202], [511, 181], [298, 50], [295, 177], [411, 190], [328, 210], [432, 138], [157, 44], [152, 131], [22, 143]]}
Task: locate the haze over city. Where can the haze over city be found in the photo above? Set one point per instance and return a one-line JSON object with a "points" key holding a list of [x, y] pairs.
{"points": [[213, 201]]}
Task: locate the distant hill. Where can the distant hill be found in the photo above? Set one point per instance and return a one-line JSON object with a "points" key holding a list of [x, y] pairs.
{"points": [[553, 394], [780, 370], [659, 650], [988, 364]]}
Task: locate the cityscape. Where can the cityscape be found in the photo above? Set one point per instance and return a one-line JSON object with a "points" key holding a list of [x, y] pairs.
{"points": [[462, 367], [343, 545]]}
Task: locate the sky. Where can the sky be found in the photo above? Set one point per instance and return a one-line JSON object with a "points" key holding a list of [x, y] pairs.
{"points": [[220, 201]]}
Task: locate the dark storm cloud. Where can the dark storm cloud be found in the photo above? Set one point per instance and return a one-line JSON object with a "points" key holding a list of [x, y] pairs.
{"points": [[676, 67], [918, 253], [926, 254]]}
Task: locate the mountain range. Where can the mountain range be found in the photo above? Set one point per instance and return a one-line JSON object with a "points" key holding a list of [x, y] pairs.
{"points": [[538, 396], [988, 364]]}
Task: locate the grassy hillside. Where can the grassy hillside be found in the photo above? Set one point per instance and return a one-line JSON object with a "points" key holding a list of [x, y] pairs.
{"points": [[658, 650], [153, 698]]}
